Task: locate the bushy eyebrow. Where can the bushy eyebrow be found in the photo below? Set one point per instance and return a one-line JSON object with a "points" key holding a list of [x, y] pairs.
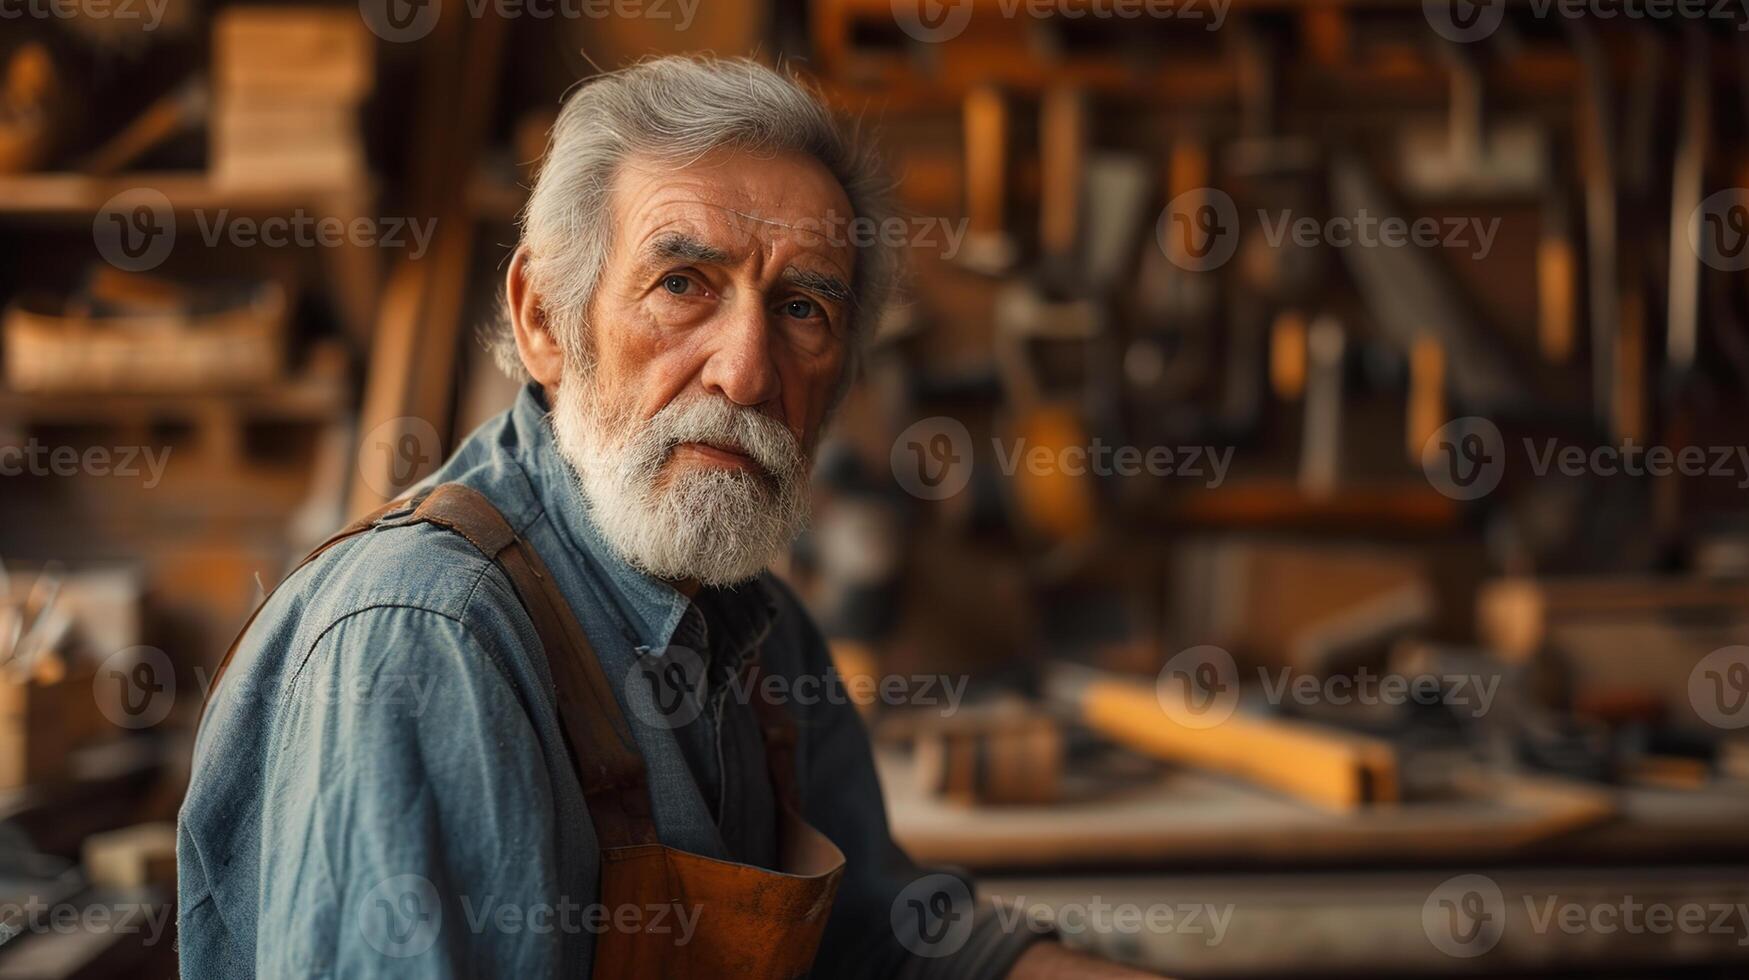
{"points": [[829, 286], [675, 245]]}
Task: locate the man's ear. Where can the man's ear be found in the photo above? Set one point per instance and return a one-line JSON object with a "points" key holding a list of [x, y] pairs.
{"points": [[535, 343]]}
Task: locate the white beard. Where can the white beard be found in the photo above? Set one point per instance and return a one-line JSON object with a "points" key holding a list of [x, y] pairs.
{"points": [[718, 526]]}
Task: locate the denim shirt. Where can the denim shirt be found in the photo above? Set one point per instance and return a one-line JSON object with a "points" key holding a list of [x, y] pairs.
{"points": [[380, 787]]}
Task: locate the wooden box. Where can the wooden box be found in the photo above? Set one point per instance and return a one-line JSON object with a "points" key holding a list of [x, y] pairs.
{"points": [[314, 54], [35, 736], [51, 347]]}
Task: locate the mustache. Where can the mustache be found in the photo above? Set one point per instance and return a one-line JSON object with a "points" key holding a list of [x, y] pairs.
{"points": [[718, 421]]}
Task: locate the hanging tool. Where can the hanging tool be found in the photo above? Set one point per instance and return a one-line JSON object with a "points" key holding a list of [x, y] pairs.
{"points": [[989, 247], [1682, 333], [1408, 295]]}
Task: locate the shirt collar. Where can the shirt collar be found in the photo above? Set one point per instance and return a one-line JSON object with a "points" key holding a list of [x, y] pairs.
{"points": [[741, 616], [650, 607]]}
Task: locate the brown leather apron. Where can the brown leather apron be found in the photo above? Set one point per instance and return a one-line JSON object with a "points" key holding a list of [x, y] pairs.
{"points": [[750, 922]]}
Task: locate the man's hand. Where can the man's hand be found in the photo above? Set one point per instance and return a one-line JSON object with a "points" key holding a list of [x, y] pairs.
{"points": [[1052, 961]]}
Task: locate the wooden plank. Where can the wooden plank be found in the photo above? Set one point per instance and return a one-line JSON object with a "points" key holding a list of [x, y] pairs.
{"points": [[1187, 818], [1514, 615], [414, 359], [1315, 764]]}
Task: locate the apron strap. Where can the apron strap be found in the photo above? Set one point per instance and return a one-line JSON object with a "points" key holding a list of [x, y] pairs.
{"points": [[354, 529], [606, 756], [603, 750], [779, 730]]}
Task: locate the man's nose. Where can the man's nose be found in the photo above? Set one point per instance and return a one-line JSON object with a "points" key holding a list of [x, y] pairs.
{"points": [[741, 367]]}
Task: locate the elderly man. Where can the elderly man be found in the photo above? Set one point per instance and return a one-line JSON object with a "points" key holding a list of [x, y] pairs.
{"points": [[532, 721]]}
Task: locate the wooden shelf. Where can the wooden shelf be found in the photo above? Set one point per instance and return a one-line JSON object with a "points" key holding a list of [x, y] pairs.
{"points": [[61, 193], [312, 397]]}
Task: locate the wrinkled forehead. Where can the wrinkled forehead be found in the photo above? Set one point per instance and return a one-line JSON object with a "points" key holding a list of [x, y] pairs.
{"points": [[786, 207]]}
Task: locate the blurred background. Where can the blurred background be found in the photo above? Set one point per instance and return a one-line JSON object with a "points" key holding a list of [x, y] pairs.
{"points": [[1293, 524]]}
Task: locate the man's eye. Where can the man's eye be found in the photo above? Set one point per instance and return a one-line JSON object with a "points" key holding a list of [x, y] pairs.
{"points": [[801, 309], [676, 284]]}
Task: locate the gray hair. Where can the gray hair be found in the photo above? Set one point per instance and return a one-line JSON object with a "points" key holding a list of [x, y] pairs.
{"points": [[677, 109]]}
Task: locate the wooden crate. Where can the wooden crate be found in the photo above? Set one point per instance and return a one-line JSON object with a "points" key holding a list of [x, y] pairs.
{"points": [[316, 54], [51, 349], [35, 735]]}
